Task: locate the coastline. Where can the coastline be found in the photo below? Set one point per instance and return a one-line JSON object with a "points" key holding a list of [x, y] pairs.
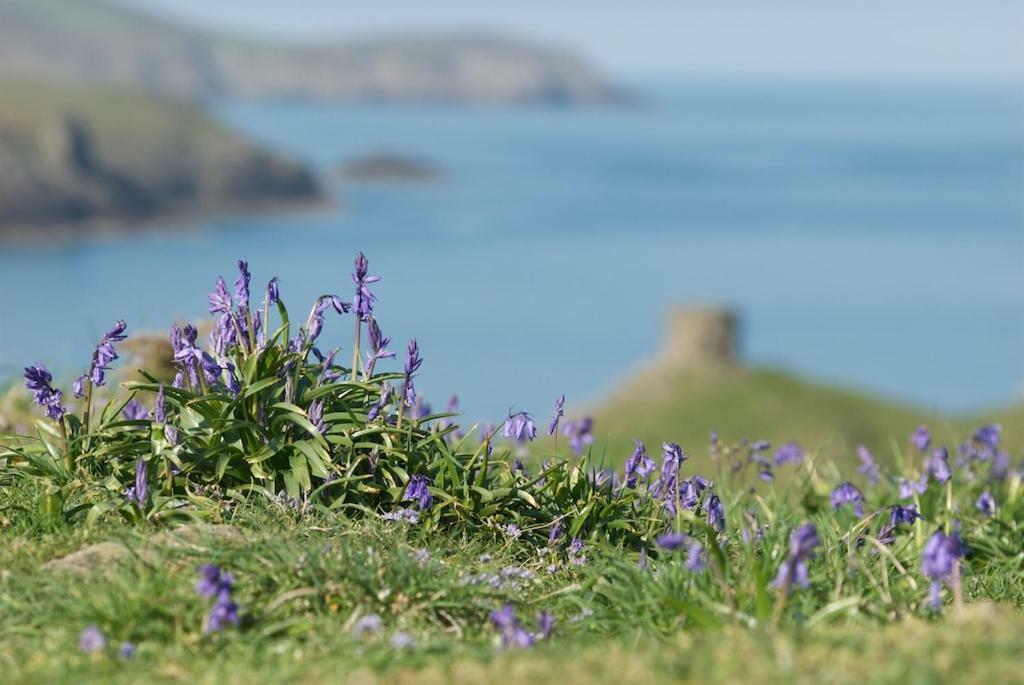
{"points": [[175, 220]]}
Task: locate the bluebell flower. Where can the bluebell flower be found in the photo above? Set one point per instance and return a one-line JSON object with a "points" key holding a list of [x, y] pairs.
{"points": [[273, 292], [790, 453], [39, 380], [938, 557], [716, 513], [793, 570], [362, 302], [220, 298], [986, 504], [559, 413], [938, 465], [418, 489], [412, 365], [639, 466], [126, 650], [520, 427], [367, 625], [847, 493], [908, 488], [92, 639], [242, 284], [666, 485], [696, 557], [402, 640], [899, 514], [671, 541], [513, 635], [577, 552], [868, 465], [921, 439], [555, 533], [580, 433]]}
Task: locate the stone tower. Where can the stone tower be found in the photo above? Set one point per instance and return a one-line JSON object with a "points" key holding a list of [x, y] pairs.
{"points": [[701, 337]]}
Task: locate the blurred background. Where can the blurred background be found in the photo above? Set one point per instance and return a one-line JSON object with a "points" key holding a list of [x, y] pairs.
{"points": [[758, 217]]}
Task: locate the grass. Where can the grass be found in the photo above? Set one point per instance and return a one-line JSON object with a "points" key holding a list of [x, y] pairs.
{"points": [[303, 580], [660, 405], [282, 467]]}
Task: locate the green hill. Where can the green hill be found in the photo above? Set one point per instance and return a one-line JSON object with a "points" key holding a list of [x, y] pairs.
{"points": [[75, 154], [660, 404]]}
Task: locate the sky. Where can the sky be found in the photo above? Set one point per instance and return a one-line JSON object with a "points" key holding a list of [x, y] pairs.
{"points": [[964, 40]]}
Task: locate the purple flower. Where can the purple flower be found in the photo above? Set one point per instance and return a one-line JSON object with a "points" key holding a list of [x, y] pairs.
{"points": [[559, 413], [938, 465], [367, 625], [223, 612], [639, 466], [673, 457], [696, 558], [220, 298], [900, 514], [512, 634], [908, 488], [126, 650], [556, 532], [134, 410], [790, 453], [412, 364], [989, 436], [105, 353], [545, 625], [39, 380], [316, 414], [577, 552], [794, 568], [937, 560], [140, 492], [382, 401], [520, 427], [273, 292], [513, 531], [212, 580], [402, 640], [405, 515], [92, 639], [315, 322], [847, 493], [418, 489], [671, 541], [378, 346], [579, 433], [921, 438], [868, 465], [986, 504], [242, 284], [690, 491], [362, 302], [716, 513]]}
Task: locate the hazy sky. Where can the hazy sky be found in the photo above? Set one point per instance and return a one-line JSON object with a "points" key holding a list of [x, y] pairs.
{"points": [[935, 39]]}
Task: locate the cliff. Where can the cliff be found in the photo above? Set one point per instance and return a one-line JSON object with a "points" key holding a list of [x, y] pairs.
{"points": [[75, 156]]}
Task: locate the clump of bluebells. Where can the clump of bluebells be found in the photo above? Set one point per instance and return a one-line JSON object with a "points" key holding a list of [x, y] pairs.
{"points": [[264, 406]]}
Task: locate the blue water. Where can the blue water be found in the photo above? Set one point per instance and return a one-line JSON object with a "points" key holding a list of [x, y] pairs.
{"points": [[869, 236]]}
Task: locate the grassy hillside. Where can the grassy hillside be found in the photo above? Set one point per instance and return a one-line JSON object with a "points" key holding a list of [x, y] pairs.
{"points": [[661, 405]]}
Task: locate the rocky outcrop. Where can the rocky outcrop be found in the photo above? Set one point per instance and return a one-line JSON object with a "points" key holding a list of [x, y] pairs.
{"points": [[64, 160], [389, 167], [97, 41]]}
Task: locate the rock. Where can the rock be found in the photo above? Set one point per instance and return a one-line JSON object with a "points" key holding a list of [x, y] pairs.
{"points": [[102, 555], [389, 167]]}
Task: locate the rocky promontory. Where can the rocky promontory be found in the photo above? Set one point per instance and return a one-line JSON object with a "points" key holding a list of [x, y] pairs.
{"points": [[78, 157]]}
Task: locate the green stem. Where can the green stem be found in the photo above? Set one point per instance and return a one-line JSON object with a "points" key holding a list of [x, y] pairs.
{"points": [[355, 351]]}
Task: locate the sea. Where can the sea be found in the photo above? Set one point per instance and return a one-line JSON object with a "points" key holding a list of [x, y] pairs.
{"points": [[870, 236]]}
